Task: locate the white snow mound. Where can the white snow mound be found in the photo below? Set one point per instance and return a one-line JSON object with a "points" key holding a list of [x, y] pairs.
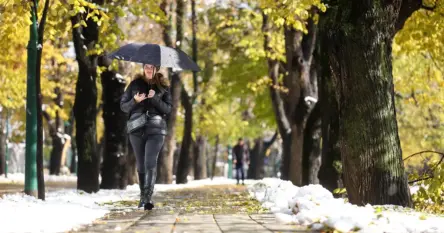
{"points": [[315, 207]]}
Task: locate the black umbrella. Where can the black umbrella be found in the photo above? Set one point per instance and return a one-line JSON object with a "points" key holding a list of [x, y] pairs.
{"points": [[155, 54]]}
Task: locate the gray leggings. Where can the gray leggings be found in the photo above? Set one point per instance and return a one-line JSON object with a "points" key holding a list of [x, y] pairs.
{"points": [[147, 148]]}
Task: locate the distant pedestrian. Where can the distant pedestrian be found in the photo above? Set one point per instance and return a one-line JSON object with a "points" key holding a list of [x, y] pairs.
{"points": [[241, 157], [147, 100]]}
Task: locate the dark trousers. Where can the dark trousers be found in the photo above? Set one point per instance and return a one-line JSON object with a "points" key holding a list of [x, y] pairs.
{"points": [[146, 148], [240, 172]]}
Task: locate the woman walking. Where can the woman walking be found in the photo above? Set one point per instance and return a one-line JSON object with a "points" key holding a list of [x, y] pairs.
{"points": [[147, 101]]}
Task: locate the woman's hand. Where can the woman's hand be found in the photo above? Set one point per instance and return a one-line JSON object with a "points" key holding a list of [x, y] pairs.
{"points": [[140, 97], [151, 93]]}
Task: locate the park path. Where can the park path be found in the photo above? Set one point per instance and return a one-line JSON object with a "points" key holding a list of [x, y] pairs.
{"points": [[216, 208]]}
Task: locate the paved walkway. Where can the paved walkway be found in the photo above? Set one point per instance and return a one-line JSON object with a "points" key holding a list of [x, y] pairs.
{"points": [[224, 208]]}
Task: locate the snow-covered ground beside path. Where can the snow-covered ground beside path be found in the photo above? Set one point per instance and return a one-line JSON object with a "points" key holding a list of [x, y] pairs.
{"points": [[66, 209], [20, 178], [316, 207]]}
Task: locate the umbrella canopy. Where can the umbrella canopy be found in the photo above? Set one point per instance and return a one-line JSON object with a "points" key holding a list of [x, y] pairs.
{"points": [[155, 54]]}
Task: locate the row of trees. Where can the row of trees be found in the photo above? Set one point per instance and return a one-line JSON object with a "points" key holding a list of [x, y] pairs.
{"points": [[314, 70]]}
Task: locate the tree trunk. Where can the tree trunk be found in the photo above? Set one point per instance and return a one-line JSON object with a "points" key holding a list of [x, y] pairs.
{"points": [[165, 167], [291, 108], [69, 130], [114, 166], [131, 165], [200, 158], [56, 154], [85, 105], [3, 138], [184, 157], [165, 163], [359, 57], [256, 160], [38, 91], [329, 175], [216, 151], [183, 167], [312, 147], [176, 158], [56, 132]]}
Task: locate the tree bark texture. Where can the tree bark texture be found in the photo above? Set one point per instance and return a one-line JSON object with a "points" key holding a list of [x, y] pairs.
{"points": [[165, 161], [85, 105], [291, 107], [357, 41], [329, 175], [40, 176], [256, 170], [312, 147], [183, 167], [3, 144], [114, 166], [216, 151], [56, 134], [131, 166], [200, 158], [69, 130]]}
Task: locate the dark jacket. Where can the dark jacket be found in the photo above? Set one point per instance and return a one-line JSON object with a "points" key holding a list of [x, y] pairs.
{"points": [[240, 154], [157, 107]]}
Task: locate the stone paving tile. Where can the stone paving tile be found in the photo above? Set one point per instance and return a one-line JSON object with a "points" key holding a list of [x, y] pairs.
{"points": [[203, 213], [196, 223], [243, 227], [151, 228], [286, 228]]}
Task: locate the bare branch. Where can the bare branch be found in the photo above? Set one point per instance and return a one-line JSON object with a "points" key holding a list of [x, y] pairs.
{"points": [[423, 152]]}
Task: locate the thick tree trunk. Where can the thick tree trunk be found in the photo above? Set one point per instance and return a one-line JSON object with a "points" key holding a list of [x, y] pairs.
{"points": [[85, 105], [131, 165], [329, 175], [257, 154], [56, 132], [56, 154], [114, 166], [69, 130], [216, 151], [291, 108], [312, 147], [165, 161], [183, 167], [359, 57], [256, 170], [176, 158], [38, 91], [200, 168], [3, 144]]}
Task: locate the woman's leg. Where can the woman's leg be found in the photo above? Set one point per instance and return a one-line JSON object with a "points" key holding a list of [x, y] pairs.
{"points": [[153, 145], [138, 143]]}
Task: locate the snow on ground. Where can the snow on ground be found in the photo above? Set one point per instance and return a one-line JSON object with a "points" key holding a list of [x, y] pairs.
{"points": [[20, 178], [316, 207], [66, 209], [62, 210]]}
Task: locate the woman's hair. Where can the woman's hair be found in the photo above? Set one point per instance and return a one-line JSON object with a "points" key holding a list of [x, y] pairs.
{"points": [[159, 80]]}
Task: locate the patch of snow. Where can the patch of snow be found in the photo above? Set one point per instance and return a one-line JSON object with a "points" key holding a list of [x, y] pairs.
{"points": [[62, 210], [20, 178], [67, 209], [315, 206]]}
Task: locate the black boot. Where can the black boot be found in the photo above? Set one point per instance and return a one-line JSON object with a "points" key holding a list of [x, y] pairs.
{"points": [[141, 186], [150, 180]]}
